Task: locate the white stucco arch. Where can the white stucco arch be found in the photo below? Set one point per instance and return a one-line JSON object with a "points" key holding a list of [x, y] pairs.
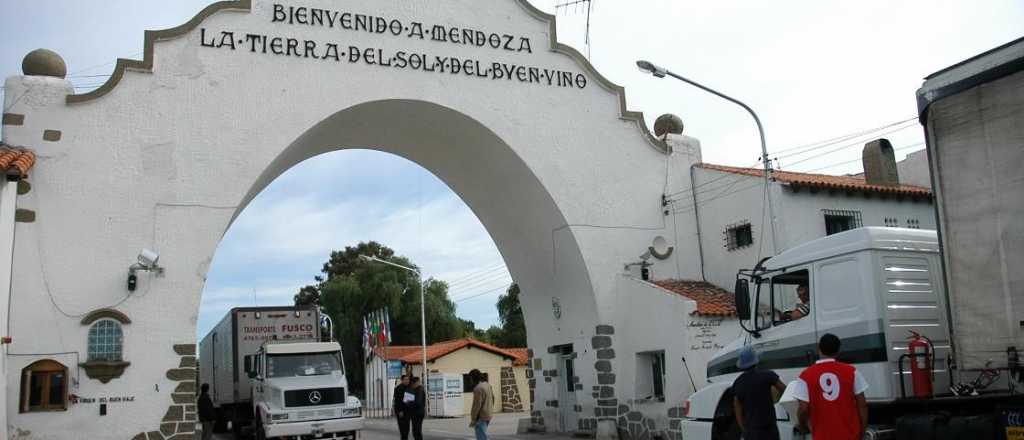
{"points": [[494, 182], [567, 181]]}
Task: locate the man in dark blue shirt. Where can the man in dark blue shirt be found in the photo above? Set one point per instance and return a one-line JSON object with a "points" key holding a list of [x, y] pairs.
{"points": [[753, 401]]}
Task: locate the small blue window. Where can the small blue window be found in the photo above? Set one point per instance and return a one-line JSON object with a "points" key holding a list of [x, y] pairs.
{"points": [[105, 341]]}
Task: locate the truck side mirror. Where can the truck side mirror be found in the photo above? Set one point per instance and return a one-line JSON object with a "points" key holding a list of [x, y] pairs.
{"points": [[249, 367], [742, 299]]}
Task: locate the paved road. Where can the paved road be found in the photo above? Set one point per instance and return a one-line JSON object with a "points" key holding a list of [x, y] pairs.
{"points": [[503, 427]]}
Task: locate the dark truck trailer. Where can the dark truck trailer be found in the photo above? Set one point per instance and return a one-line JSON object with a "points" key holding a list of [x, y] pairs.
{"points": [[240, 333]]}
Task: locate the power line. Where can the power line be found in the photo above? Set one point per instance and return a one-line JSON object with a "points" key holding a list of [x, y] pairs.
{"points": [[483, 282], [817, 146], [699, 203], [476, 275], [847, 136], [872, 135], [860, 159], [477, 295]]}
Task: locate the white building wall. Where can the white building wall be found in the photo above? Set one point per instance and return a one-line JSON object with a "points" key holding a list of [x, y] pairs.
{"points": [[8, 204], [914, 170], [660, 320], [798, 218], [566, 182]]}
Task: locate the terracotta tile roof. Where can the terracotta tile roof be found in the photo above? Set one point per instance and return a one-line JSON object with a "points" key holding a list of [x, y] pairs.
{"points": [[711, 300], [842, 183], [522, 356], [16, 161], [413, 354]]}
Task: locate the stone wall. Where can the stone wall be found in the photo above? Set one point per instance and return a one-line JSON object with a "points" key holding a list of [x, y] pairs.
{"points": [[632, 424], [179, 422], [510, 400]]}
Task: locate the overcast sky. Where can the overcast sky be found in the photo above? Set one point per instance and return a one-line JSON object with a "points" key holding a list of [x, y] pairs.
{"points": [[812, 69]]}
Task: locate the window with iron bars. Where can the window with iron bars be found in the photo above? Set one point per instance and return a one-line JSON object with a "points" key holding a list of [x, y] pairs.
{"points": [[738, 236], [837, 221]]}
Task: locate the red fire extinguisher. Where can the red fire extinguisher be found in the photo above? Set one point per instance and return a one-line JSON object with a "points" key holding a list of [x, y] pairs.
{"points": [[922, 355]]}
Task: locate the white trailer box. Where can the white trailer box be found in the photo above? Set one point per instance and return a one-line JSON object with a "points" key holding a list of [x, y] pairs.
{"points": [[241, 332], [973, 115]]}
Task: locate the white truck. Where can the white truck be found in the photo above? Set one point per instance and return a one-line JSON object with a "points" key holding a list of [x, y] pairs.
{"points": [[270, 374], [962, 288]]}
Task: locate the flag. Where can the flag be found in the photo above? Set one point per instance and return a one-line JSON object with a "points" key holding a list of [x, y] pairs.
{"points": [[366, 340], [374, 328], [382, 336], [387, 323]]}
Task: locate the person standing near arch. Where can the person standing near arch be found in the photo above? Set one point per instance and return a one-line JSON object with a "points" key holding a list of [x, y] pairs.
{"points": [[207, 414], [417, 408], [483, 404], [398, 405], [831, 396]]}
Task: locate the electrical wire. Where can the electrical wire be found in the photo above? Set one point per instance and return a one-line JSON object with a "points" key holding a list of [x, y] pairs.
{"points": [[475, 275], [690, 208], [814, 146], [477, 295], [845, 137], [497, 277], [852, 144]]}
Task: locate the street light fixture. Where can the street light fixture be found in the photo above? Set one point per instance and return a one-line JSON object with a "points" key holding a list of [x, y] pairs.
{"points": [[661, 72], [423, 301]]}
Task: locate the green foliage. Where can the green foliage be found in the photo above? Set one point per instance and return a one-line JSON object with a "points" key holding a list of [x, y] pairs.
{"points": [[469, 330], [512, 333], [352, 287]]}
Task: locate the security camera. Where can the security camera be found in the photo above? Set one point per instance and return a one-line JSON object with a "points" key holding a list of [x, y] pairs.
{"points": [[148, 258]]}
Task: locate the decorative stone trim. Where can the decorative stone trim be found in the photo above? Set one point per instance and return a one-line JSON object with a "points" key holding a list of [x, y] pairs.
{"points": [[179, 422], [24, 215], [675, 424], [13, 119], [99, 314], [104, 371], [51, 135], [510, 400], [632, 425]]}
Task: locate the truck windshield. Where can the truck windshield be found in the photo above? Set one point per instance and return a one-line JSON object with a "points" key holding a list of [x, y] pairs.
{"points": [[303, 364]]}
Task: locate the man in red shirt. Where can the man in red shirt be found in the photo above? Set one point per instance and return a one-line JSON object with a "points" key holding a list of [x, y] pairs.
{"points": [[831, 395]]}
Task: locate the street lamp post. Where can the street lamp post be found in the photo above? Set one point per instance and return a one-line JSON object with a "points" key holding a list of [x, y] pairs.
{"points": [[423, 301], [661, 72]]}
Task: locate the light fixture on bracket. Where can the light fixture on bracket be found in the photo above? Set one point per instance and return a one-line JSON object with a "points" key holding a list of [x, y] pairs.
{"points": [[147, 262]]}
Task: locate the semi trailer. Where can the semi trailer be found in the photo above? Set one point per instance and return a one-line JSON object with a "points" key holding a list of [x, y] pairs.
{"points": [[270, 375], [934, 320]]}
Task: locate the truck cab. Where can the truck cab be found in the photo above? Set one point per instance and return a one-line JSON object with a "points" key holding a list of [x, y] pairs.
{"points": [[299, 389], [870, 286]]}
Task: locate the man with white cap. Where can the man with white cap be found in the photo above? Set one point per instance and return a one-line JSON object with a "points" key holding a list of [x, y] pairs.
{"points": [[753, 401]]}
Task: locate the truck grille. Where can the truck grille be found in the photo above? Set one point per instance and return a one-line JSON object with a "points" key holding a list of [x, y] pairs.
{"points": [[313, 397]]}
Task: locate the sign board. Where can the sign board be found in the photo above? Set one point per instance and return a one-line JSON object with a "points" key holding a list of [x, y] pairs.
{"points": [[394, 369]]}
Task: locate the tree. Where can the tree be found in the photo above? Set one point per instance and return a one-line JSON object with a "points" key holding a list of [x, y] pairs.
{"points": [[351, 287], [469, 330], [510, 313]]}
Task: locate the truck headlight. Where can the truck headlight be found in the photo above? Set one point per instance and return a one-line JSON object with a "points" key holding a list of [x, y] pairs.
{"points": [[352, 412], [278, 417]]}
